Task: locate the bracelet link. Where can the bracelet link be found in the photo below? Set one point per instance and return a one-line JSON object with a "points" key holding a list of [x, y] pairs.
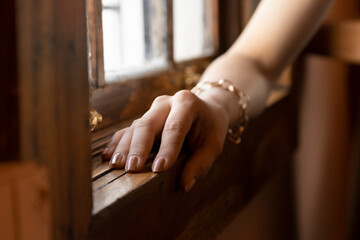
{"points": [[234, 135]]}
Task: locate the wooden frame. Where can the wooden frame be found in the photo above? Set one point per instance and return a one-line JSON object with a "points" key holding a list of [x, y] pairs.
{"points": [[95, 44], [53, 95]]}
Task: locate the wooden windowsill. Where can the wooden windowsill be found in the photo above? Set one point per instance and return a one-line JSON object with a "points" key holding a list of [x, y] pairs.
{"points": [[149, 205]]}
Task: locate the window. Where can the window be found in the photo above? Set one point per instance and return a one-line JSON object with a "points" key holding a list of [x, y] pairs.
{"points": [[53, 106], [134, 34]]}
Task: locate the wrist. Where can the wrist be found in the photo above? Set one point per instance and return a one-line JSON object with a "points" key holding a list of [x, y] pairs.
{"points": [[242, 101], [225, 101]]}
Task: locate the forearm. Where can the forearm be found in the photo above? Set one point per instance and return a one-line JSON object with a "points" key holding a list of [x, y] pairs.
{"points": [[278, 31], [274, 36], [246, 77]]}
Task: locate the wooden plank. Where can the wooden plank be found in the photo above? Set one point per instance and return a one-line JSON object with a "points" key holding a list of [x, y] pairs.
{"points": [[235, 178], [101, 168], [119, 183], [54, 107], [103, 180], [340, 40]]}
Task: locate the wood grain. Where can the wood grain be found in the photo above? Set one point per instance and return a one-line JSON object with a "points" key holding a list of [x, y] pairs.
{"points": [[54, 106]]}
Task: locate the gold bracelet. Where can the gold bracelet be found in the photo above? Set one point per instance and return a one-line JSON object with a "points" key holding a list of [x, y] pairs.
{"points": [[234, 135]]}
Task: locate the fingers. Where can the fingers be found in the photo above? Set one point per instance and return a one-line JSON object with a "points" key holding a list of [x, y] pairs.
{"points": [[136, 142], [111, 146], [177, 126], [174, 117], [143, 139], [119, 156], [198, 165]]}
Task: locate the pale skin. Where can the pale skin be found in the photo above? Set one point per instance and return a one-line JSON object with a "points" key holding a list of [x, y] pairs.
{"points": [[274, 36]]}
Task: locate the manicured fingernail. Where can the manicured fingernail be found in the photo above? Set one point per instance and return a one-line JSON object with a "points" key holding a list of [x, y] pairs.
{"points": [[115, 160], [190, 185], [158, 165], [131, 163]]}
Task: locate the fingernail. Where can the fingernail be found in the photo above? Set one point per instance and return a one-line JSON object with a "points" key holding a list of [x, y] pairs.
{"points": [[190, 185], [131, 164], [158, 165], [115, 160]]}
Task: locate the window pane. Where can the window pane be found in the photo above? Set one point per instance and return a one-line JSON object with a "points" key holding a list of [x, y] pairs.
{"points": [[194, 26], [134, 35]]}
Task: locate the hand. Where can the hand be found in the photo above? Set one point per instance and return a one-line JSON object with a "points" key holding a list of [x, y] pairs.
{"points": [[204, 123]]}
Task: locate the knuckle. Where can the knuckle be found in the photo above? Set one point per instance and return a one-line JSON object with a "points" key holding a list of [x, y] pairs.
{"points": [[115, 138], [185, 96], [174, 126], [160, 99], [117, 134], [144, 124], [187, 99], [127, 130]]}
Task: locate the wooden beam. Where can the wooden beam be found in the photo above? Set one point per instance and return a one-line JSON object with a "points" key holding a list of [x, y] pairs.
{"points": [[339, 40], [54, 106]]}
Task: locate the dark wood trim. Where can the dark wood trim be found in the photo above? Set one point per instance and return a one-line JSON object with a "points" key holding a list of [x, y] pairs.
{"points": [[54, 106], [230, 23], [9, 134], [95, 31], [354, 201]]}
